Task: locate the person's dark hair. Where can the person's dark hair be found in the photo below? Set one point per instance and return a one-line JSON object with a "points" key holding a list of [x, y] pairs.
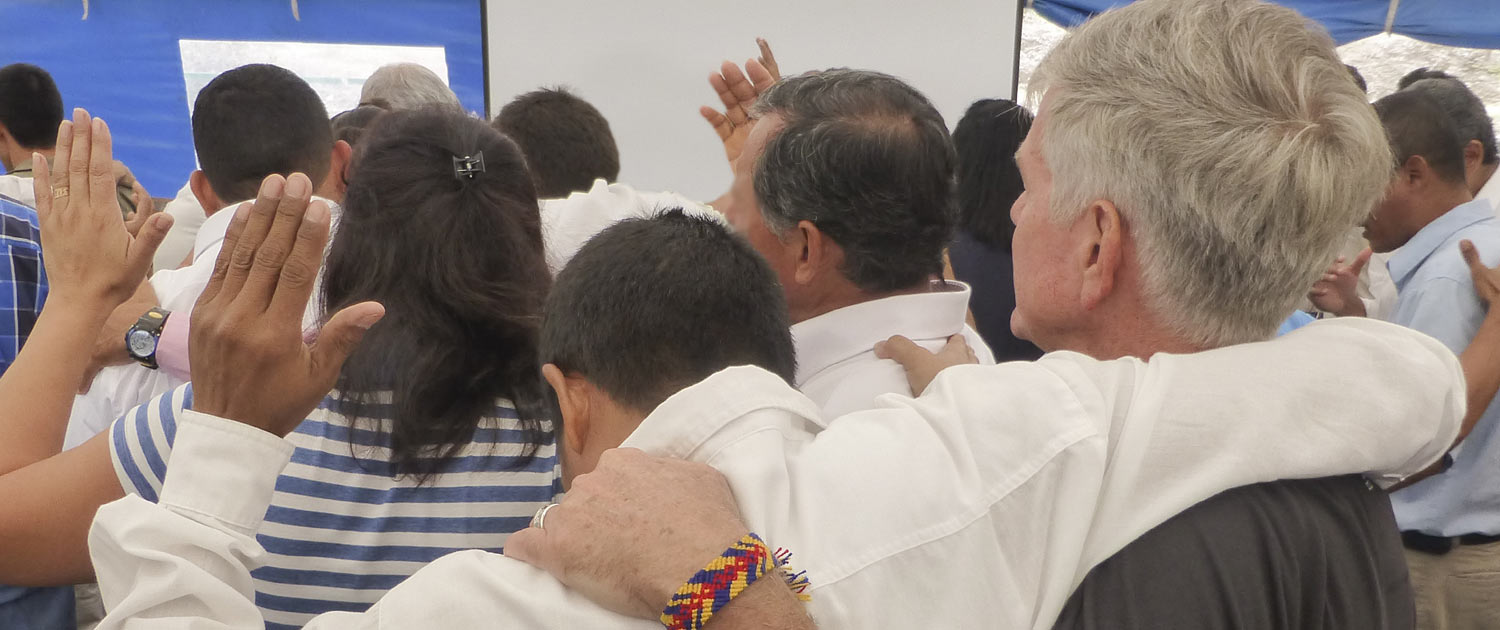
{"points": [[31, 108], [1359, 79], [350, 125], [256, 120], [867, 159], [566, 140], [650, 306], [1417, 125], [458, 264], [986, 140], [1462, 105]]}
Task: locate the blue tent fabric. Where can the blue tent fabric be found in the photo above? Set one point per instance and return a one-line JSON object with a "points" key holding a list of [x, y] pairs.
{"points": [[1462, 23], [124, 63]]}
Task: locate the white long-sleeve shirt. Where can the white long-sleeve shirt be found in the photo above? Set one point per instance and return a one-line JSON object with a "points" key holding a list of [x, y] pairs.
{"points": [[981, 504]]}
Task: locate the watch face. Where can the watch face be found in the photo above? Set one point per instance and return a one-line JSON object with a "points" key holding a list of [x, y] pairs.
{"points": [[141, 344]]}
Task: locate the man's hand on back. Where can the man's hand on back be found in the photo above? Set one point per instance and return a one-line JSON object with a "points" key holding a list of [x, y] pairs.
{"points": [[922, 366], [628, 534], [249, 360]]}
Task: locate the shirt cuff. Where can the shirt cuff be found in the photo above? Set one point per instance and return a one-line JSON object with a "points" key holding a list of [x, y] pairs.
{"points": [[172, 346], [224, 469]]}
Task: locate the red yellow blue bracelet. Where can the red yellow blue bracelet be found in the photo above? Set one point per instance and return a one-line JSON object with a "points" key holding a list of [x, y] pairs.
{"points": [[712, 588]]}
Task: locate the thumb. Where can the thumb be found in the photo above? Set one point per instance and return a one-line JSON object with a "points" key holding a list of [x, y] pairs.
{"points": [[143, 246], [901, 350], [341, 335], [1360, 261], [526, 545]]}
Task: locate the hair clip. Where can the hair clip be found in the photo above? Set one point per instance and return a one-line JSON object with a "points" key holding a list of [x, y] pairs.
{"points": [[467, 167]]}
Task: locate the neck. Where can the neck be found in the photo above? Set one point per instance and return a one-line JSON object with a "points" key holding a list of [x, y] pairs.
{"points": [[17, 155], [1139, 344], [844, 294], [1440, 203], [1486, 172]]}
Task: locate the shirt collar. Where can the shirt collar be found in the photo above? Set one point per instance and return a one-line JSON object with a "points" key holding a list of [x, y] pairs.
{"points": [[213, 229], [854, 330], [683, 422], [1407, 258]]}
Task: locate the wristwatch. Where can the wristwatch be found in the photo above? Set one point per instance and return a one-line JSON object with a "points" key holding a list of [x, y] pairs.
{"points": [[141, 340]]}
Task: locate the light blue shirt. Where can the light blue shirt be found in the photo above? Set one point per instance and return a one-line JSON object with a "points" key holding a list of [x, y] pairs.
{"points": [[1435, 295]]}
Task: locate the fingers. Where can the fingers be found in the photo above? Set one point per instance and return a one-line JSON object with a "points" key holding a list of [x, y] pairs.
{"points": [[533, 546], [1360, 261], [61, 157], [144, 206], [286, 235], [1477, 269], [238, 256], [78, 160], [41, 186], [143, 248], [101, 167], [340, 336], [901, 350], [722, 84], [231, 240], [768, 60], [719, 121], [761, 77], [740, 87]]}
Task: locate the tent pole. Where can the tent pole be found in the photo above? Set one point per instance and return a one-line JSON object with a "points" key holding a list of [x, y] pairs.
{"points": [[1390, 16]]}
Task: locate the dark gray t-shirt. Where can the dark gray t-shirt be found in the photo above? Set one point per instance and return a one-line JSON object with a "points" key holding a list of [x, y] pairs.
{"points": [[1317, 554]]}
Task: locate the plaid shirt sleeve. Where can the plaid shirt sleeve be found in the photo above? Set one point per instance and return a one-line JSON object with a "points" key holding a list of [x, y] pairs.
{"points": [[23, 279]]}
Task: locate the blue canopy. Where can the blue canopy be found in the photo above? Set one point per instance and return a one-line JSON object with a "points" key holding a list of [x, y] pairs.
{"points": [[1462, 23]]}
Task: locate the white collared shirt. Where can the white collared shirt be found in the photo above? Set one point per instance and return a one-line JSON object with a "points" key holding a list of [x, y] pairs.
{"points": [[836, 363], [981, 504], [119, 388], [187, 218], [19, 189]]}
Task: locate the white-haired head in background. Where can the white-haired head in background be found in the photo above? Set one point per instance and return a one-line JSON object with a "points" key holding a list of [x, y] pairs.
{"points": [[405, 86]]}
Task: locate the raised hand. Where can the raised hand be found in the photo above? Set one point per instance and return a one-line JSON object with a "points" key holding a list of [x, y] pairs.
{"points": [[249, 360], [90, 256], [922, 366], [145, 208], [737, 92], [1335, 291]]}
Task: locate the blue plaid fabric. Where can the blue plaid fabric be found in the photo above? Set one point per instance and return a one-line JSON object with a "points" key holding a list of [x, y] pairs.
{"points": [[23, 289], [23, 280]]}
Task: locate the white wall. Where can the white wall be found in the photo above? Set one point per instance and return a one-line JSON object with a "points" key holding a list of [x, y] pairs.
{"points": [[645, 63]]}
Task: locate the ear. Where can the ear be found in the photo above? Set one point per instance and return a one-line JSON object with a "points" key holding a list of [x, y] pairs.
{"points": [[1473, 154], [573, 402], [1414, 171], [204, 192], [338, 167], [1105, 252], [818, 252]]}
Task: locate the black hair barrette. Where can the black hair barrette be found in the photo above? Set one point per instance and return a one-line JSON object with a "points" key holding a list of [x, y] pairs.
{"points": [[467, 167]]}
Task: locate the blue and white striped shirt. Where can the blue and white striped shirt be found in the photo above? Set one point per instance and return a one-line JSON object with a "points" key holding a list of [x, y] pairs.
{"points": [[340, 530]]}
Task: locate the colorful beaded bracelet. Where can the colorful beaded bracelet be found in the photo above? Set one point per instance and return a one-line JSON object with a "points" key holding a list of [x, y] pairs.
{"points": [[711, 589]]}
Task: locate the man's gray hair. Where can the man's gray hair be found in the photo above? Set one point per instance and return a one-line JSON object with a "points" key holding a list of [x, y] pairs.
{"points": [[1230, 137], [1466, 110], [400, 86]]}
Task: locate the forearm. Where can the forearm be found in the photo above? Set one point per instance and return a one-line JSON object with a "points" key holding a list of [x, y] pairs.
{"points": [[48, 508], [766, 605], [1481, 364], [46, 375]]}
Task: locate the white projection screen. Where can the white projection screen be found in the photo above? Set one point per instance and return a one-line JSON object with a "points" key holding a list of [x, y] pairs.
{"points": [[645, 63]]}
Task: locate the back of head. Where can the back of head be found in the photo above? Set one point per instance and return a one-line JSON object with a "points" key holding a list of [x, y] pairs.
{"points": [[1230, 137], [350, 125], [1418, 126], [31, 108], [566, 140], [650, 306], [1463, 107], [406, 86], [986, 140], [256, 120], [867, 159], [457, 261]]}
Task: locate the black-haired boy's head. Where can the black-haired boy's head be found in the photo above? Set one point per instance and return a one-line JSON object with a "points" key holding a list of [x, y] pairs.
{"points": [[253, 121], [31, 108], [646, 308]]}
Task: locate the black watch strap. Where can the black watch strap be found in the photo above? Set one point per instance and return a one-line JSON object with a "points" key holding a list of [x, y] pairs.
{"points": [[142, 338]]}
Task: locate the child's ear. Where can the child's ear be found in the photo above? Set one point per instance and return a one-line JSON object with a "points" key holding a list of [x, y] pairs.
{"points": [[573, 403]]}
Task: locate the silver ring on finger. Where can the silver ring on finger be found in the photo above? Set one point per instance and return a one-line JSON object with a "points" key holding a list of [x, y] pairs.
{"points": [[539, 521]]}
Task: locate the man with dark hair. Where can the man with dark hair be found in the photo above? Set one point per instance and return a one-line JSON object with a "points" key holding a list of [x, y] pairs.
{"points": [[567, 142], [1476, 131], [248, 123], [31, 108], [646, 308], [1450, 521], [845, 185]]}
